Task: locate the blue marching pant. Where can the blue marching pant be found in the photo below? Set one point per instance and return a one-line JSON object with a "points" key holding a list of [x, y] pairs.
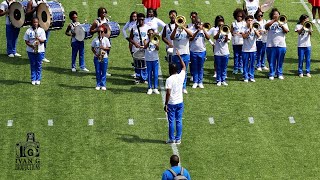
{"points": [[237, 55], [12, 34], [261, 54], [304, 53], [35, 65], [174, 114], [153, 72], [197, 61], [186, 60], [101, 71], [248, 64], [77, 46], [222, 64], [275, 56]]}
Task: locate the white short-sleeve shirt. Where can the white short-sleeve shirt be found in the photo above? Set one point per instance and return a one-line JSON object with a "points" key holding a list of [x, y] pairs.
{"points": [[4, 7], [30, 36], [303, 38], [198, 44], [169, 28], [276, 36], [264, 32], [249, 43], [129, 25], [136, 37], [252, 7], [181, 42], [175, 84], [221, 47], [151, 54], [105, 43], [238, 27], [154, 23]]}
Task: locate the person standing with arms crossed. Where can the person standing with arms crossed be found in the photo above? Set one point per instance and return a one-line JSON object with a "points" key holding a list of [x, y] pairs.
{"points": [[174, 100]]}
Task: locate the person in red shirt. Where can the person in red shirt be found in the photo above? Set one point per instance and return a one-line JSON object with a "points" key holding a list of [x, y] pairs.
{"points": [[315, 5], [154, 4]]}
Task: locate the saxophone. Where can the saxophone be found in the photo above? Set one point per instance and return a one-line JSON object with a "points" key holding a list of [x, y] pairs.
{"points": [[36, 42]]}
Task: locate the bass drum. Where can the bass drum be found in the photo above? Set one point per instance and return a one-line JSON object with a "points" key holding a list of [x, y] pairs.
{"points": [[114, 29], [82, 32], [17, 14], [51, 15]]}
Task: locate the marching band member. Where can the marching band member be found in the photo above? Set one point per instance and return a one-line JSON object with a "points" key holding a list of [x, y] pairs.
{"points": [[261, 41], [99, 46], [276, 44], [249, 49], [152, 60], [180, 36], [304, 45], [237, 41], [153, 21], [251, 7], [221, 51], [129, 25], [12, 32], [31, 8], [137, 35], [193, 17], [198, 52], [77, 46], [167, 30], [35, 38]]}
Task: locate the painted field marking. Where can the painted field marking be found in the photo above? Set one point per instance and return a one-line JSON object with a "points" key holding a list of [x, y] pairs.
{"points": [[309, 13], [176, 2], [207, 2], [50, 122], [291, 120], [251, 120], [163, 95], [90, 122], [130, 122], [238, 1], [84, 3], [211, 120], [114, 2], [10, 123]]}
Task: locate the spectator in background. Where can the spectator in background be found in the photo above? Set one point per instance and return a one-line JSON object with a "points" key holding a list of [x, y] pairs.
{"points": [[315, 5], [175, 170]]}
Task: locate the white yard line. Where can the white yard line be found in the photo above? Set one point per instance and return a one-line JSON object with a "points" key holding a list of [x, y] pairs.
{"points": [[84, 3], [207, 2], [10, 123], [131, 122], [114, 2], [176, 2], [251, 120], [50, 122], [211, 120], [163, 94], [238, 1], [309, 13], [90, 122], [291, 120]]}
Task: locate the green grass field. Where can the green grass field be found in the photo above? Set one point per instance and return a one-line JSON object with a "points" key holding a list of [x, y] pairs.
{"points": [[232, 148]]}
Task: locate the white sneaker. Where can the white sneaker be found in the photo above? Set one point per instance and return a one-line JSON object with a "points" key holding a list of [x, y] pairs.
{"points": [[224, 83], [252, 80], [11, 55], [259, 69], [33, 82], [108, 74], [271, 78], [195, 85], [156, 91], [218, 83], [201, 86], [103, 88], [73, 69], [314, 21], [85, 69], [133, 75], [37, 82], [97, 88], [246, 80], [149, 91], [265, 68], [185, 91], [17, 55], [281, 77], [215, 75], [45, 60], [301, 75], [191, 78], [308, 75]]}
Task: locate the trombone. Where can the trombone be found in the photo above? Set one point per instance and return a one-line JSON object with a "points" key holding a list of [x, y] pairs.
{"points": [[282, 19], [307, 26]]}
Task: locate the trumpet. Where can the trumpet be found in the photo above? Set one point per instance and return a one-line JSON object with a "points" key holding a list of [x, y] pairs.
{"points": [[181, 20], [256, 26], [155, 39], [206, 26], [101, 54], [307, 26], [224, 30], [282, 19]]}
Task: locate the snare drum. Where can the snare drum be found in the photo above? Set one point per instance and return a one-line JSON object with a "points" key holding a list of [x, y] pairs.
{"points": [[115, 29], [17, 14], [139, 59], [51, 15], [82, 32]]}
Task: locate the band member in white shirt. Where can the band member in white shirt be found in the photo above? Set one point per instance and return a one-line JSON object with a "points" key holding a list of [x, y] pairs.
{"points": [[153, 21], [12, 32], [198, 52], [128, 26], [34, 38], [167, 30], [181, 36], [276, 44]]}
